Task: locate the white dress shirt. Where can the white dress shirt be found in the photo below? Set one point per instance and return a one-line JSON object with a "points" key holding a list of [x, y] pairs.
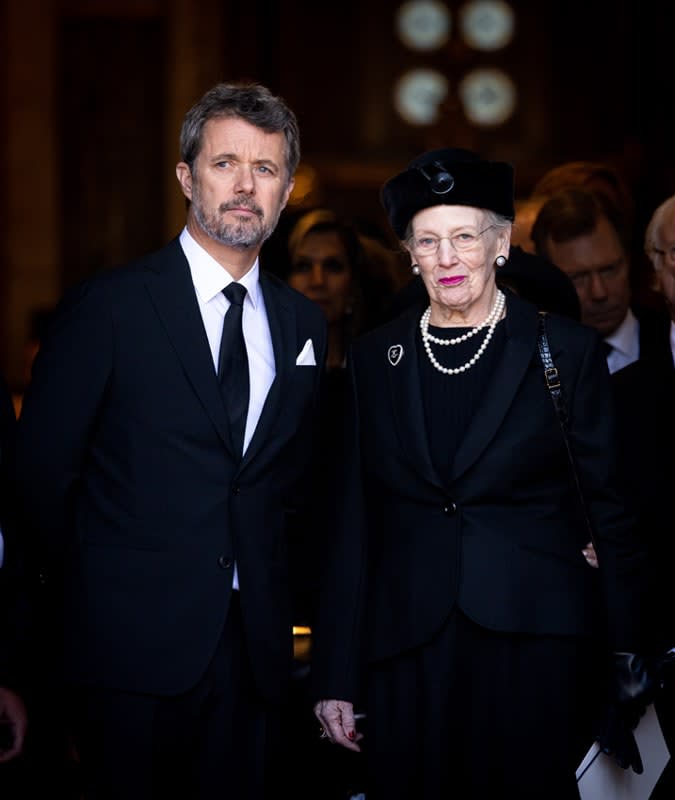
{"points": [[625, 342], [209, 280]]}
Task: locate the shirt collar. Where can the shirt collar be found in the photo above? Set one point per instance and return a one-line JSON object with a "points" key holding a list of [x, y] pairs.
{"points": [[210, 278], [626, 337]]}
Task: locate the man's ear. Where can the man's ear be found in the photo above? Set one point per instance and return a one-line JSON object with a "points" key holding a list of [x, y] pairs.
{"points": [[287, 193], [184, 178]]}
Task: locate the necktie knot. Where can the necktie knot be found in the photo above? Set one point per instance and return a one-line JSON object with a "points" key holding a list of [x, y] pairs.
{"points": [[235, 293], [607, 348]]}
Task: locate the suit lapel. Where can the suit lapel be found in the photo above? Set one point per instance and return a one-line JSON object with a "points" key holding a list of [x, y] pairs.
{"points": [[170, 286], [281, 319], [521, 335]]}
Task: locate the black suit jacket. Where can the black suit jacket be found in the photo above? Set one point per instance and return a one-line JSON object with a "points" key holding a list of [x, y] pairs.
{"points": [[653, 334], [645, 399], [124, 461], [13, 608], [503, 538]]}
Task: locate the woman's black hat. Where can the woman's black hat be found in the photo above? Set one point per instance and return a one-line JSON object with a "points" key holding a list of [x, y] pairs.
{"points": [[450, 176]]}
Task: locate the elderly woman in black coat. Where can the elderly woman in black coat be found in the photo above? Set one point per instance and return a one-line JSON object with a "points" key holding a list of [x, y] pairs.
{"points": [[458, 611]]}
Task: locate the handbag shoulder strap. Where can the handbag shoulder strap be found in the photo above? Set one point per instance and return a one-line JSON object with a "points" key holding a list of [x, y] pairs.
{"points": [[554, 386]]}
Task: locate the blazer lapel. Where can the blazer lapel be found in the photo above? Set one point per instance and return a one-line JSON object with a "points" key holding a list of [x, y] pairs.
{"points": [[404, 386], [521, 335], [170, 286], [281, 319]]}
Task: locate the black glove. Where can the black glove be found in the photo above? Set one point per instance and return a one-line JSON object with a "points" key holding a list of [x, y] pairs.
{"points": [[631, 690], [617, 740]]}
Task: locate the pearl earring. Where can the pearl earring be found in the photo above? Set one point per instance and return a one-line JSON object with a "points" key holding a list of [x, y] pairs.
{"points": [[415, 269], [500, 261]]}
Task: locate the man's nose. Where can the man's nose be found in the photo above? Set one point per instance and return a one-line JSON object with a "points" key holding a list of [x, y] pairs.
{"points": [[598, 286], [244, 179]]}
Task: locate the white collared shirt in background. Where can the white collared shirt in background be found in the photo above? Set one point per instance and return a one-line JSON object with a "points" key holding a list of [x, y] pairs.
{"points": [[625, 342], [209, 280]]}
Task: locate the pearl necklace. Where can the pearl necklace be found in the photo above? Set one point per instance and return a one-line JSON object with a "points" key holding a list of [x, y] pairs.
{"points": [[490, 322]]}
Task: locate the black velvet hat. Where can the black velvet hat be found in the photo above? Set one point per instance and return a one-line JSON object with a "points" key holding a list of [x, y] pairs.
{"points": [[450, 176]]}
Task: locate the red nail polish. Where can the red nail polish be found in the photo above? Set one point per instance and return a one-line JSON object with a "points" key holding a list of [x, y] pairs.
{"points": [[352, 734]]}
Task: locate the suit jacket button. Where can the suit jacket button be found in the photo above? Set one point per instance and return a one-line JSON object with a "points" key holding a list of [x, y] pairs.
{"points": [[224, 562], [450, 509]]}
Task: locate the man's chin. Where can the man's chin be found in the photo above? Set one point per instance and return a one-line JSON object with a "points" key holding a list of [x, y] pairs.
{"points": [[605, 326]]}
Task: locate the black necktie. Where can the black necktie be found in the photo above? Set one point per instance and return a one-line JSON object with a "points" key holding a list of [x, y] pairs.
{"points": [[233, 365], [607, 348]]}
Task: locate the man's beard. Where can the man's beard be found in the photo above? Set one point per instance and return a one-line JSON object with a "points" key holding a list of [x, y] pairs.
{"points": [[247, 232]]}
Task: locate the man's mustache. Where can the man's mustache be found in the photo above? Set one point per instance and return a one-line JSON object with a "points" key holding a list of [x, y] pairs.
{"points": [[247, 204]]}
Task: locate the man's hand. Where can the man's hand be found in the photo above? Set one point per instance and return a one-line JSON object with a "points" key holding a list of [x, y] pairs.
{"points": [[337, 723]]}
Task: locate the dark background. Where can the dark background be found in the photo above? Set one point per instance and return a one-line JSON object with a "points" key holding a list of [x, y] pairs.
{"points": [[93, 94]]}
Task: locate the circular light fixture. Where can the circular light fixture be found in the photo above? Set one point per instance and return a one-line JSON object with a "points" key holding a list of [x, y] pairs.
{"points": [[488, 96], [418, 94], [487, 24], [423, 24]]}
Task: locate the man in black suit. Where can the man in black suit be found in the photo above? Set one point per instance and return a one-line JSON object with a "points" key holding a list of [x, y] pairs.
{"points": [[177, 610], [645, 398], [13, 715]]}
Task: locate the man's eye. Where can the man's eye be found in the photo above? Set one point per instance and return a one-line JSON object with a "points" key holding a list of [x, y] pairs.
{"points": [[302, 266], [333, 265]]}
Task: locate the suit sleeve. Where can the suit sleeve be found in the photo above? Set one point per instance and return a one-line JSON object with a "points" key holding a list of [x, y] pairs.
{"points": [[338, 646], [59, 410]]}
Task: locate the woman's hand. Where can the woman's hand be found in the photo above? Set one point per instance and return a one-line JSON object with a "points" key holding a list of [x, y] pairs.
{"points": [[590, 555], [337, 723]]}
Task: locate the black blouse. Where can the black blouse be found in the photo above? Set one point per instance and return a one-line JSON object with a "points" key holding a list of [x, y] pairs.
{"points": [[451, 400]]}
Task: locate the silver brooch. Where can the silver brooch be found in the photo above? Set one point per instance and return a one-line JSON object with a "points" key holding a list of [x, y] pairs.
{"points": [[395, 354]]}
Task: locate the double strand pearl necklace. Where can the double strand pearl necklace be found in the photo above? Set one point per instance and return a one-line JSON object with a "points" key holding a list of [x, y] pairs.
{"points": [[490, 322]]}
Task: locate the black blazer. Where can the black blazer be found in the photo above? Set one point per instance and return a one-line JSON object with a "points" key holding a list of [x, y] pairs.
{"points": [[653, 334], [645, 400], [503, 538], [12, 591], [124, 462]]}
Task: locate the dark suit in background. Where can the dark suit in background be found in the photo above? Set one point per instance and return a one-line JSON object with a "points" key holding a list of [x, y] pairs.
{"points": [[127, 469], [645, 399]]}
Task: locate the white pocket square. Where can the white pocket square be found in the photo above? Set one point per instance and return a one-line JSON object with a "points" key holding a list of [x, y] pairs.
{"points": [[306, 357]]}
